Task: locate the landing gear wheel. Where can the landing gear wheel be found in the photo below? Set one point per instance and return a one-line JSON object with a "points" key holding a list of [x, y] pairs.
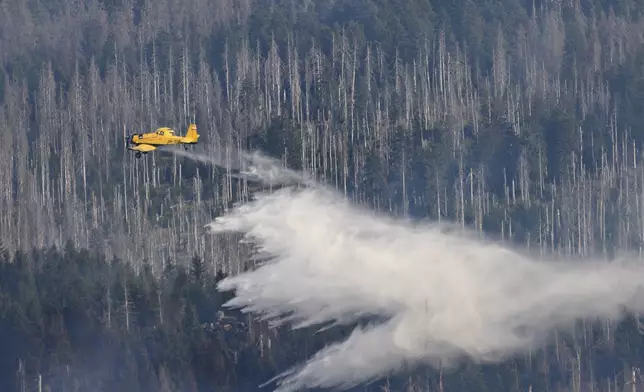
{"points": [[138, 154]]}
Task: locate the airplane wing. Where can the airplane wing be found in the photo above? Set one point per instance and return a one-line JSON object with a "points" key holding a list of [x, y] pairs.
{"points": [[143, 148]]}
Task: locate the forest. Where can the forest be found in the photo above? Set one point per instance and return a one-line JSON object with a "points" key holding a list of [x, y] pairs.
{"points": [[519, 119]]}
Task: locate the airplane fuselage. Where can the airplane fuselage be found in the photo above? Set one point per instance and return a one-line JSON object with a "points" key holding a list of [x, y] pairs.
{"points": [[146, 142], [152, 139]]}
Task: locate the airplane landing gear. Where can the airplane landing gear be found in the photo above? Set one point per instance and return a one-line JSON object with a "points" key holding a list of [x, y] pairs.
{"points": [[138, 154]]}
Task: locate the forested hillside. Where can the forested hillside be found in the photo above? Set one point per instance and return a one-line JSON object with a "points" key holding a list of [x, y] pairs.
{"points": [[519, 118]]}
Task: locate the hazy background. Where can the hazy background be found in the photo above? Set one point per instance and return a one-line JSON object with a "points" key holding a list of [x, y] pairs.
{"points": [[517, 119]]}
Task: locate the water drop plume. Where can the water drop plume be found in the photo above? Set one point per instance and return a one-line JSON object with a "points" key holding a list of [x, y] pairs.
{"points": [[252, 166], [443, 295]]}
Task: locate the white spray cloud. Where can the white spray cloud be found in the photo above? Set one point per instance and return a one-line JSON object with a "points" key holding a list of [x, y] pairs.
{"points": [[251, 166], [444, 296]]}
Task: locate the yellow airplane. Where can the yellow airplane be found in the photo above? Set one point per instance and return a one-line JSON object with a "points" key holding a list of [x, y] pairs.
{"points": [[146, 142]]}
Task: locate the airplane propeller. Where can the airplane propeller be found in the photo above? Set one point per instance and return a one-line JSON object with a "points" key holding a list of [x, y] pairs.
{"points": [[128, 139]]}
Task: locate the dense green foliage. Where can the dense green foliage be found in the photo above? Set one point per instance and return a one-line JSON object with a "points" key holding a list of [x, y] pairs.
{"points": [[73, 321], [83, 323]]}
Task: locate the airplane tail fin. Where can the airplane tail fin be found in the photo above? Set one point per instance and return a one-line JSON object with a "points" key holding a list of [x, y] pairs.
{"points": [[192, 133]]}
